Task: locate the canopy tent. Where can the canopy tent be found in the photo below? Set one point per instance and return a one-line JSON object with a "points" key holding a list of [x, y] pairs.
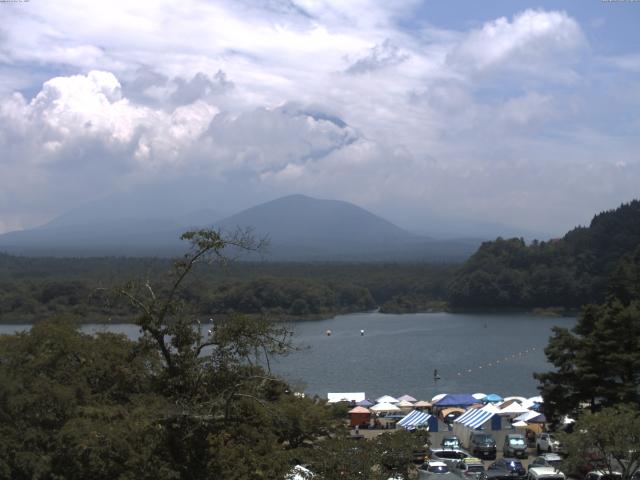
{"points": [[387, 399], [359, 416], [527, 417], [359, 410], [404, 404], [492, 397], [520, 424], [455, 400], [407, 398], [446, 411], [475, 418], [365, 403], [414, 420], [345, 397], [422, 404], [440, 396], [479, 396], [540, 418], [513, 409], [516, 398], [384, 407]]}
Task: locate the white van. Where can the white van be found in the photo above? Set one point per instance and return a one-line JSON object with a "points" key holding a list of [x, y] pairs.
{"points": [[545, 473]]}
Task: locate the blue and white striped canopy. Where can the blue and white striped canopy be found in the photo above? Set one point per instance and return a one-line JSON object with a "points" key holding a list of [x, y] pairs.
{"points": [[474, 418], [414, 419]]}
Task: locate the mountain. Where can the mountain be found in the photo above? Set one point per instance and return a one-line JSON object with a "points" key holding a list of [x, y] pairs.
{"points": [[305, 228], [567, 272], [300, 228]]}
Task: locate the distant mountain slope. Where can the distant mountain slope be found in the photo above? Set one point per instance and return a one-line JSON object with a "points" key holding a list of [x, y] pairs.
{"points": [[567, 272], [305, 228], [300, 228], [297, 218], [71, 235]]}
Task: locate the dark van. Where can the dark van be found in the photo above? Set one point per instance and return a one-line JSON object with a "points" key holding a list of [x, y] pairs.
{"points": [[482, 445]]}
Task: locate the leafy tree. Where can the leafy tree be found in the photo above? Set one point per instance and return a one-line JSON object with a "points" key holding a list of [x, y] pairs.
{"points": [[598, 361], [182, 402], [612, 436]]}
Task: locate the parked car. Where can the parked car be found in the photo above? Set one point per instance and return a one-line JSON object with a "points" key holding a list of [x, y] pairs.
{"points": [[495, 475], [435, 470], [546, 442], [545, 473], [469, 468], [552, 460], [515, 445], [603, 475], [450, 441], [511, 466], [482, 445], [449, 456]]}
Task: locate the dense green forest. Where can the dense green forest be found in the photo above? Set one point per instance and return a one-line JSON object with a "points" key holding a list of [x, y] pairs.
{"points": [[174, 404], [568, 272], [32, 289]]}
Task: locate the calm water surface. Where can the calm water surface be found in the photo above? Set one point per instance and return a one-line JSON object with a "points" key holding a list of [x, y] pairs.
{"points": [[489, 353]]}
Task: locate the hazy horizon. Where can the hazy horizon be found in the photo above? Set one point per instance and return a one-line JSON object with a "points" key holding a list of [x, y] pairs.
{"points": [[524, 115]]}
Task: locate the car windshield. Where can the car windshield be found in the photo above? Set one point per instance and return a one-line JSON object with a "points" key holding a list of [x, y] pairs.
{"points": [[450, 442], [438, 469], [554, 463], [517, 442], [484, 439], [514, 465], [476, 468]]}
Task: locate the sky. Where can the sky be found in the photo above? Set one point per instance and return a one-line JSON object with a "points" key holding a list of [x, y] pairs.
{"points": [[515, 112]]}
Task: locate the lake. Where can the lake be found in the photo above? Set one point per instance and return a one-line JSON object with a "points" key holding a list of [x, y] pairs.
{"points": [[488, 353]]}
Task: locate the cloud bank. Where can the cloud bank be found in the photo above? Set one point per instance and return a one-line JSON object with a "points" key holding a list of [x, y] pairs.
{"points": [[502, 121]]}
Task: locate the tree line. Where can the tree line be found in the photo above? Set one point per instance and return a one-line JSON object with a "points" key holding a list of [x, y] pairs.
{"points": [[32, 289], [567, 272]]}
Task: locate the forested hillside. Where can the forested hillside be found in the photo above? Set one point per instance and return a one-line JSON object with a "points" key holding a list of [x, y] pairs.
{"points": [[33, 289], [567, 272]]}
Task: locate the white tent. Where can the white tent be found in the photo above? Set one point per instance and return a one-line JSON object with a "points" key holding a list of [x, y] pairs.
{"points": [[384, 407], [479, 396], [407, 398], [345, 397], [405, 405], [513, 409], [387, 399], [517, 399], [525, 417], [440, 396]]}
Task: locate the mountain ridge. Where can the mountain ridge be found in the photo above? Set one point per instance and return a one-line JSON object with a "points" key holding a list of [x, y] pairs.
{"points": [[300, 228]]}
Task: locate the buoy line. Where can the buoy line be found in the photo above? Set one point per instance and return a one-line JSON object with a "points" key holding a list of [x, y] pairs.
{"points": [[499, 362]]}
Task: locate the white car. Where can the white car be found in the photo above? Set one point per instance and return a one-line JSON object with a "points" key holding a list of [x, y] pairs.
{"points": [[546, 442], [545, 473]]}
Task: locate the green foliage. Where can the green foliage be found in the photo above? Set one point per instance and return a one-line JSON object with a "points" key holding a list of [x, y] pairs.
{"points": [[388, 454], [32, 289], [182, 402], [598, 361], [611, 437], [567, 272]]}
